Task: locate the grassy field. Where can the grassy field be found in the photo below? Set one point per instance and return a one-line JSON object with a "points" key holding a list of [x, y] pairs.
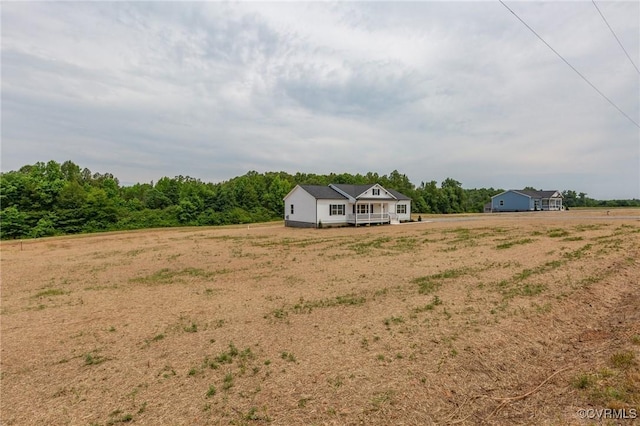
{"points": [[494, 319]]}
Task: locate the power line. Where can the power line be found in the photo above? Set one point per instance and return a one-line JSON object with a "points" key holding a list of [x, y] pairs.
{"points": [[572, 67], [614, 34]]}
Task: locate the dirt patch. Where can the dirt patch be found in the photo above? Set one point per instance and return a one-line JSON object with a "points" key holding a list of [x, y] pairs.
{"points": [[495, 319]]}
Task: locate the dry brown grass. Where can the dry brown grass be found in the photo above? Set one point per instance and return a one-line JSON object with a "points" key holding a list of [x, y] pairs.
{"points": [[496, 319]]}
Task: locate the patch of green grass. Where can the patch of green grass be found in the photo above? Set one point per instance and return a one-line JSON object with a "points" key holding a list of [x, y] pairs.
{"points": [[427, 284], [252, 415], [578, 238], [380, 399], [211, 291], [588, 227], [582, 381], [336, 382], [542, 309], [167, 371], [124, 418], [381, 292], [169, 276], [429, 306], [577, 254], [133, 253], [228, 356], [513, 287], [364, 343], [228, 381], [93, 359], [366, 247], [463, 236], [280, 313], [557, 233], [404, 244], [211, 391], [393, 320], [51, 292], [302, 402], [193, 328], [431, 283], [623, 360], [614, 387], [288, 356], [512, 243], [306, 306]]}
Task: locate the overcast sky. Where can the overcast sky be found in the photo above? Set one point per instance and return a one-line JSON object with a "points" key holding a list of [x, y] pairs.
{"points": [[433, 89]]}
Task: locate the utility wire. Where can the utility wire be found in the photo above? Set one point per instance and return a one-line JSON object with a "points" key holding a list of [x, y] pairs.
{"points": [[614, 34], [572, 67]]}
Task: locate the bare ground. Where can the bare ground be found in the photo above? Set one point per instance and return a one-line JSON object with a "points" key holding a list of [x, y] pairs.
{"points": [[494, 319]]}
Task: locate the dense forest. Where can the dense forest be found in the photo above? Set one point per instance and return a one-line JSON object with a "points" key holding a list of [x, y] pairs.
{"points": [[47, 199]]}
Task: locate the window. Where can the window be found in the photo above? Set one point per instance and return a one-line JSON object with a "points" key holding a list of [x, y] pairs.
{"points": [[376, 191], [363, 208], [502, 202], [336, 210], [401, 209], [291, 208]]}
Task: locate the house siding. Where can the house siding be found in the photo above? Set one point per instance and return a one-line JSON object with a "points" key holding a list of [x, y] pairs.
{"points": [[512, 201], [403, 216], [383, 195], [304, 208], [324, 212]]}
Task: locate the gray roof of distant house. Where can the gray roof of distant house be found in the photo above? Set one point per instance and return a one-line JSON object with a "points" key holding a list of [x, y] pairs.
{"points": [[537, 194]]}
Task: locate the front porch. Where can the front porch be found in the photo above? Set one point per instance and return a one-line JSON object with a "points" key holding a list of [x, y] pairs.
{"points": [[370, 218], [370, 213], [552, 204]]}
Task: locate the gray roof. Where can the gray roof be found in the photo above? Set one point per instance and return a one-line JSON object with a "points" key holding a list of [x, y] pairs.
{"points": [[398, 195], [353, 190], [322, 192], [537, 194]]}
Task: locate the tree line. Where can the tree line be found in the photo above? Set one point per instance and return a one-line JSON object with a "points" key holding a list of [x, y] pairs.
{"points": [[46, 199]]}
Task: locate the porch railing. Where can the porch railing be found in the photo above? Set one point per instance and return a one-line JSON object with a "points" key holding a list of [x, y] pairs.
{"points": [[368, 217]]}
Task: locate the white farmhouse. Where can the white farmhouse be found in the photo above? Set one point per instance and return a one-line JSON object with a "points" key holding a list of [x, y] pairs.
{"points": [[310, 206]]}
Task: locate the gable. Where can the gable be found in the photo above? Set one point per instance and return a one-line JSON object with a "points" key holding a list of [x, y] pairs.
{"points": [[367, 192]]}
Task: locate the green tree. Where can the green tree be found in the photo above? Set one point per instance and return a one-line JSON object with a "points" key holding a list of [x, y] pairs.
{"points": [[453, 192], [45, 227], [13, 223]]}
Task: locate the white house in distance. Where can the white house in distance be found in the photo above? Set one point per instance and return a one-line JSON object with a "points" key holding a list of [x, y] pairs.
{"points": [[520, 200], [306, 206]]}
